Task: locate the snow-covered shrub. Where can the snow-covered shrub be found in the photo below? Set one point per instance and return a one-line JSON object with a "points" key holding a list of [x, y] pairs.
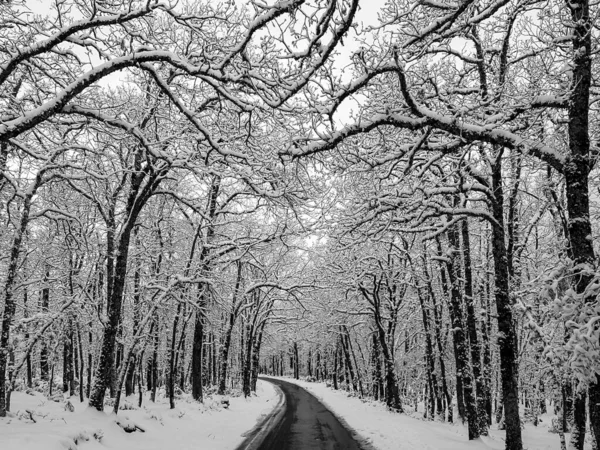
{"points": [[210, 390], [41, 386], [235, 393], [580, 314], [153, 415], [19, 385], [28, 414], [81, 436], [555, 425], [30, 391], [56, 397], [127, 406], [128, 425]]}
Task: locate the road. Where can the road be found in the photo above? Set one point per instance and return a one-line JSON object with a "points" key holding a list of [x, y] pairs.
{"points": [[307, 424]]}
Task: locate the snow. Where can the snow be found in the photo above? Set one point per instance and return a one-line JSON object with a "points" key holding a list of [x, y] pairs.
{"points": [[191, 425], [385, 430]]}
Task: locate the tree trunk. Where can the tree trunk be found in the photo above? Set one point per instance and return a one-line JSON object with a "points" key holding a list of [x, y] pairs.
{"points": [[392, 395], [81, 363], [51, 387], [9, 300], [180, 354], [296, 362], [377, 379], [197, 350], [346, 348], [434, 398], [196, 376], [438, 339], [459, 336], [172, 358], [105, 366], [68, 359], [215, 361], [130, 378], [486, 329], [472, 329], [116, 270], [154, 362], [28, 358], [576, 171], [140, 377], [224, 357], [579, 418], [446, 274], [247, 366], [506, 339], [11, 385], [89, 365], [460, 395], [335, 365], [206, 359], [256, 356], [44, 365]]}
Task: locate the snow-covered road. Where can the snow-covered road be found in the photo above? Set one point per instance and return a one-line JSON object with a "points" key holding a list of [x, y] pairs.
{"points": [[307, 424], [384, 430]]}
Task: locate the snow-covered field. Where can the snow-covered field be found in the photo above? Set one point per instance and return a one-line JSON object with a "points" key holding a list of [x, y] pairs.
{"points": [[190, 425], [385, 430]]}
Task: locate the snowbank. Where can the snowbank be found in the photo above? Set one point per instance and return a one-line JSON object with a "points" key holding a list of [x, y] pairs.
{"points": [[385, 430], [190, 425]]}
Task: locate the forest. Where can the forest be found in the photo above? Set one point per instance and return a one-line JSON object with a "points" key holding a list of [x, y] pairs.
{"points": [[398, 198]]}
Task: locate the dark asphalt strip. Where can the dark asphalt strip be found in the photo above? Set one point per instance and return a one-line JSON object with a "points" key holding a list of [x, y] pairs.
{"points": [[306, 424]]}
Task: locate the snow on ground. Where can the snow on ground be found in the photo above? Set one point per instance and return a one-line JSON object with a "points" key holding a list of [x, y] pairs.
{"points": [[190, 425], [385, 430]]}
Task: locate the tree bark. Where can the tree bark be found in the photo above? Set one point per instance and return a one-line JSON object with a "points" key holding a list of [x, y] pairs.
{"points": [[81, 362], [45, 297], [506, 339], [196, 376], [472, 329], [116, 269], [346, 348], [26, 315], [224, 357], [247, 366], [459, 336], [296, 361], [68, 359], [576, 170], [172, 358], [487, 353], [392, 394], [335, 364], [377, 379], [438, 339], [447, 278], [154, 361], [256, 355], [429, 357], [9, 300]]}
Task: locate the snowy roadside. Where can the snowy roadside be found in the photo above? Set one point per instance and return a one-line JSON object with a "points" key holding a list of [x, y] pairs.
{"points": [[190, 425], [385, 430]]}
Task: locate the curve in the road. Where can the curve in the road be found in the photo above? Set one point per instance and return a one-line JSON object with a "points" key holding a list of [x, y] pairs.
{"points": [[306, 424]]}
